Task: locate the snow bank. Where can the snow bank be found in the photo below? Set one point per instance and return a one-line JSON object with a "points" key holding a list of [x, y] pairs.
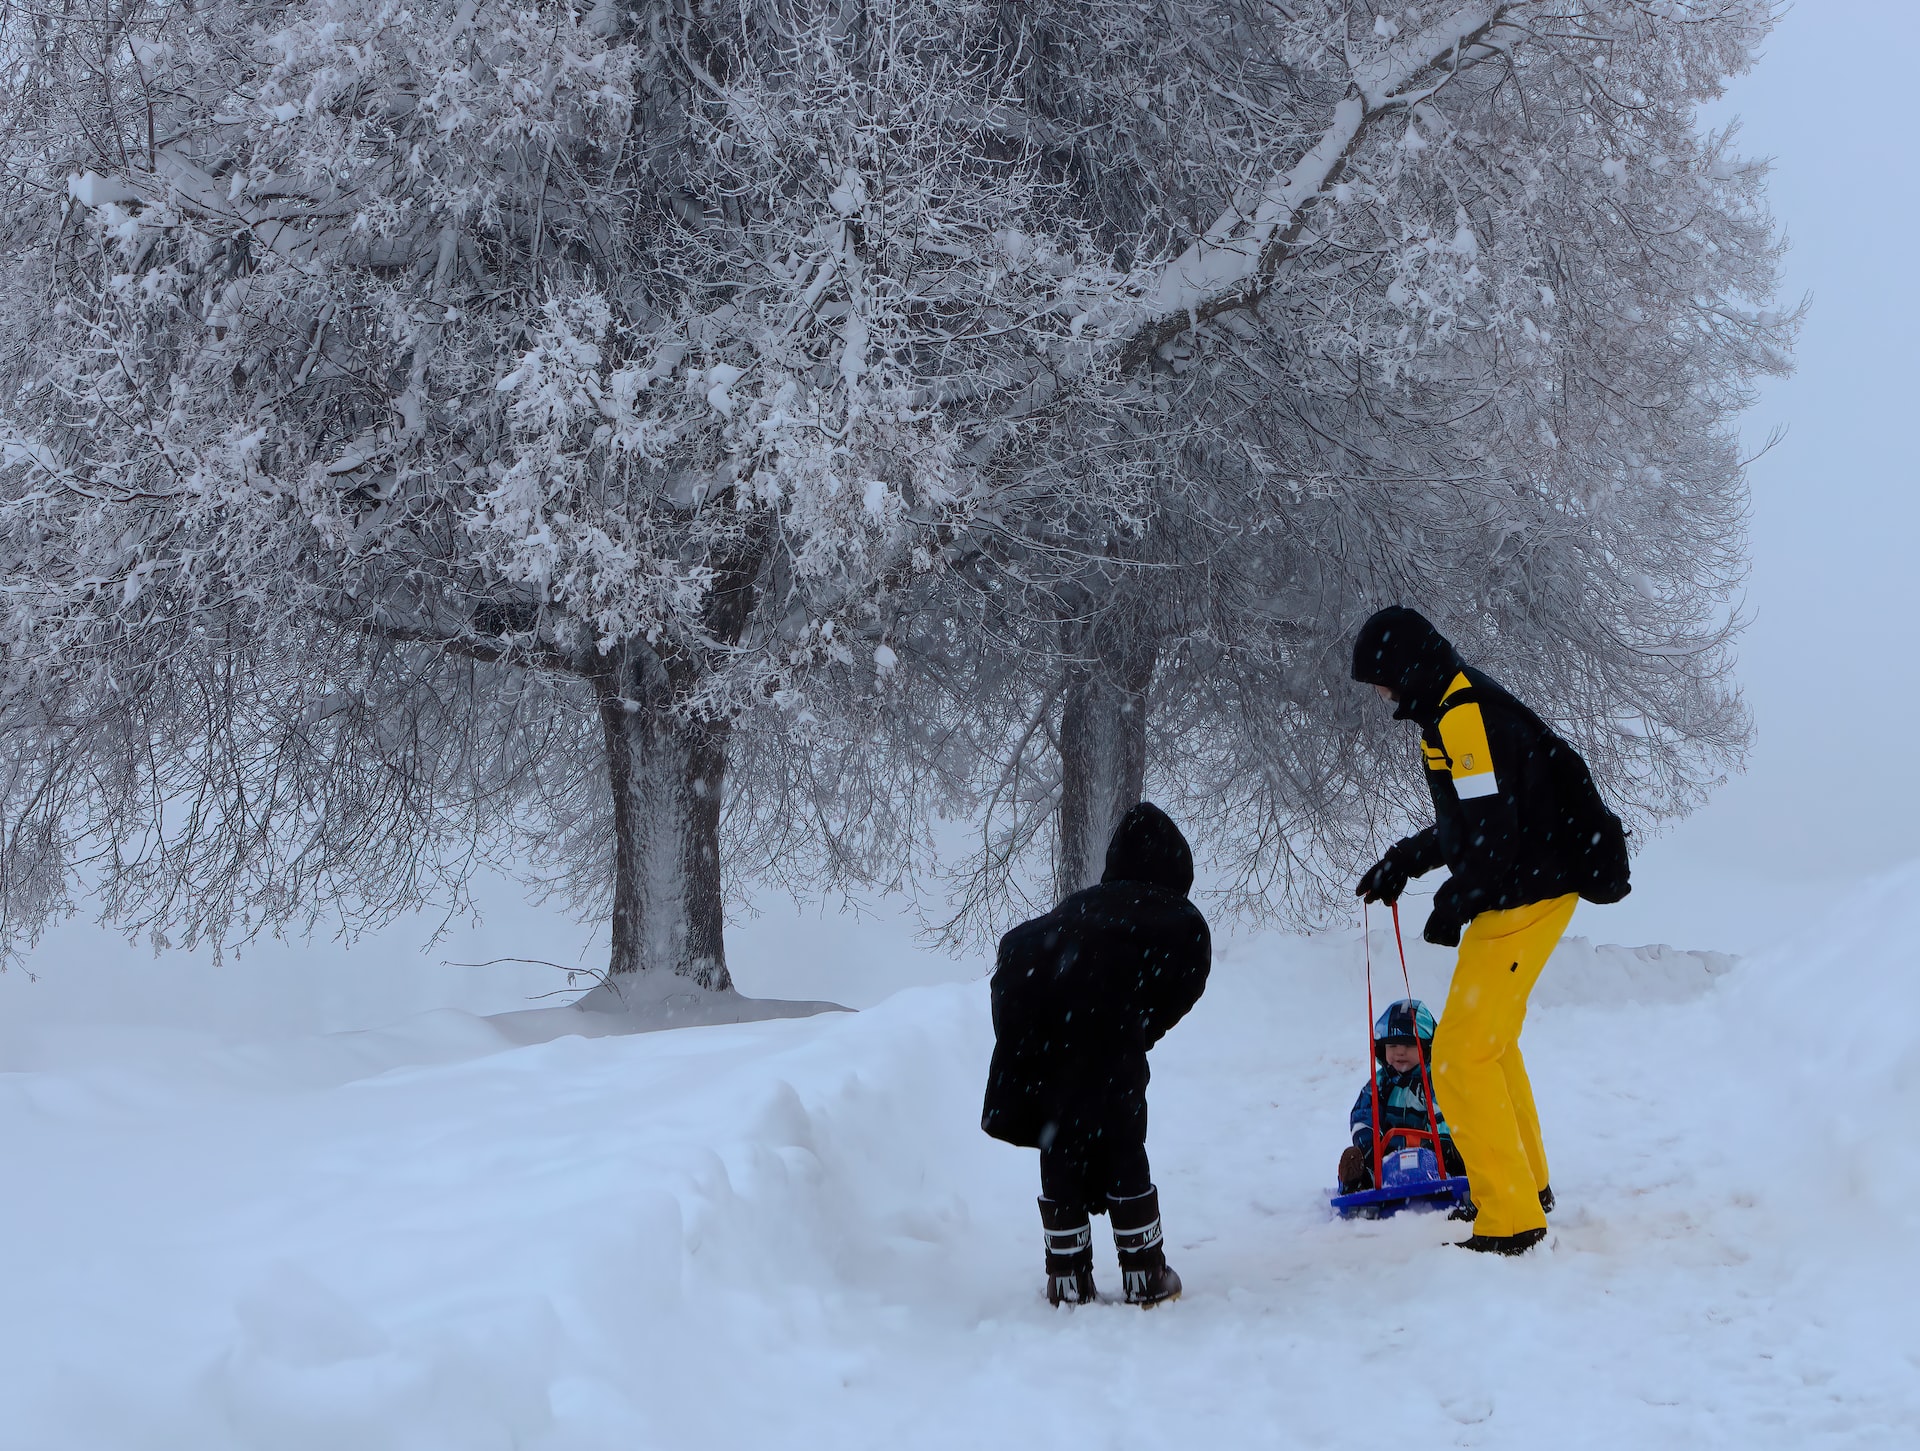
{"points": [[1829, 1026], [792, 1233], [312, 1245]]}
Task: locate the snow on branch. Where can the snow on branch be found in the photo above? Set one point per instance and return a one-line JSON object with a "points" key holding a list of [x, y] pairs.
{"points": [[1227, 267]]}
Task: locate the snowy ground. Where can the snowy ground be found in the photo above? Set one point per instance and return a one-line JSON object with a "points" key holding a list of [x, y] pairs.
{"points": [[792, 1234]]}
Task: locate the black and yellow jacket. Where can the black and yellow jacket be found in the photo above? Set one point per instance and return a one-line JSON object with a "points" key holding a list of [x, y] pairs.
{"points": [[1495, 811], [1504, 825]]}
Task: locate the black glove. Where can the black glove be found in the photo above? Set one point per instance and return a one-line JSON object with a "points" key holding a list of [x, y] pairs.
{"points": [[1449, 915], [1385, 880]]}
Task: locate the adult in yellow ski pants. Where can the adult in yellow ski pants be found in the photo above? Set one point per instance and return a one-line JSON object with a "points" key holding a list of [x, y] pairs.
{"points": [[1479, 1077]]}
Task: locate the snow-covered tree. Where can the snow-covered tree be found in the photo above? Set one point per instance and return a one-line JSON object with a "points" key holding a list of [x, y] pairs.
{"points": [[1459, 309], [665, 438], [445, 432]]}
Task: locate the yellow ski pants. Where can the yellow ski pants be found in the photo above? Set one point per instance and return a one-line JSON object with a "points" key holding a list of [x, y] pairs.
{"points": [[1479, 1077]]}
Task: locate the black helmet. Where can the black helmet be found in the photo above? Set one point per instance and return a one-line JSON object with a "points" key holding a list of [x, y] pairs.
{"points": [[1406, 1021]]}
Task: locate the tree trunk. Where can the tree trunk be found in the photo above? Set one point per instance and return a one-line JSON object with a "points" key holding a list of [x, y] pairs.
{"points": [[667, 777], [669, 780], [1103, 752]]}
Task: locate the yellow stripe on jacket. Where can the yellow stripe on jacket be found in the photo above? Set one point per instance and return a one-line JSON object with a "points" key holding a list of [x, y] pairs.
{"points": [[1463, 731]]}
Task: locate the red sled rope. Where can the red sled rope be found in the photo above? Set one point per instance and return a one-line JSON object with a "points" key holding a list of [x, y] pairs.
{"points": [[1420, 1191]]}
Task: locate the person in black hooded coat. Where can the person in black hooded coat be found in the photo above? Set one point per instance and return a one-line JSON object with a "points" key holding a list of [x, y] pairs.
{"points": [[1079, 997]]}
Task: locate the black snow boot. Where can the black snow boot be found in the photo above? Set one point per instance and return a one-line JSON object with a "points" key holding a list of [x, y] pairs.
{"points": [[1503, 1244], [1069, 1253], [1137, 1236], [1466, 1211], [1546, 1200]]}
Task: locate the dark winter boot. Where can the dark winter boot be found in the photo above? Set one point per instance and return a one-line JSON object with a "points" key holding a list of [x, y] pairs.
{"points": [[1546, 1200], [1466, 1211], [1069, 1253], [1149, 1280], [1503, 1244], [1355, 1172]]}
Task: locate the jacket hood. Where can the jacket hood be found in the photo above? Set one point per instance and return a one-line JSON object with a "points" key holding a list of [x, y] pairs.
{"points": [[1400, 649], [1148, 847]]}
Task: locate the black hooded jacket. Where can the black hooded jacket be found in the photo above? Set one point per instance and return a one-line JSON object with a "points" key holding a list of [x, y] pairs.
{"points": [[1081, 994], [1511, 821]]}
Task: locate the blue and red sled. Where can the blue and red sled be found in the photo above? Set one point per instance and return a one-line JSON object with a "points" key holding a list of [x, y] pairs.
{"points": [[1408, 1178], [1411, 1176]]}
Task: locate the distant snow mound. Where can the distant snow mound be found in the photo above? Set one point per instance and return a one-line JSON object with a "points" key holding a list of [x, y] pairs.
{"points": [[658, 1001], [661, 1000], [1583, 975]]}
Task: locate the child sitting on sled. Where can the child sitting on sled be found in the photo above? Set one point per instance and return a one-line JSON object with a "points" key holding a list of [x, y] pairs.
{"points": [[1402, 1054]]}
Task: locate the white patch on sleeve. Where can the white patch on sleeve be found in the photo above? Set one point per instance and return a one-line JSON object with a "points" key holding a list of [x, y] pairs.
{"points": [[1470, 787]]}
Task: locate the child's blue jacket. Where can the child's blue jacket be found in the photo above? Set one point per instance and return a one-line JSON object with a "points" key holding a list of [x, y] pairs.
{"points": [[1403, 1105]]}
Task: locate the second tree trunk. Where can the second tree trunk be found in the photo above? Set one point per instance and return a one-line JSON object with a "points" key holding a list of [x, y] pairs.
{"points": [[1103, 754]]}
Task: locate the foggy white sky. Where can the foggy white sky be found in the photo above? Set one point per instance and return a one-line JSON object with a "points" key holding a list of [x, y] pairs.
{"points": [[1828, 665]]}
